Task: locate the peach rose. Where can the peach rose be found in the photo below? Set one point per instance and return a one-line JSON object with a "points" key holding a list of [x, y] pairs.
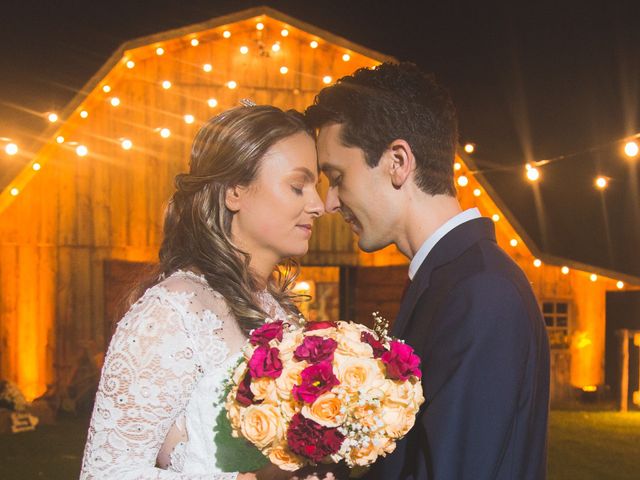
{"points": [[290, 341], [349, 342], [261, 424], [289, 377], [397, 420], [364, 455], [234, 414], [284, 458], [359, 373], [288, 408], [367, 415], [325, 410], [238, 374], [405, 394], [264, 388]]}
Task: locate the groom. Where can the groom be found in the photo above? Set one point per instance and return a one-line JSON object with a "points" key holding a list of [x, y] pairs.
{"points": [[387, 140]]}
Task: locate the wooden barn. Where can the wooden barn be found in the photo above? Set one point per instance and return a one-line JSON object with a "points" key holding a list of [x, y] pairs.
{"points": [[86, 213]]}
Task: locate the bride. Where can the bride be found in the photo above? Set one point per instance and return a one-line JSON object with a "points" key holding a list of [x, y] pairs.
{"points": [[248, 202]]}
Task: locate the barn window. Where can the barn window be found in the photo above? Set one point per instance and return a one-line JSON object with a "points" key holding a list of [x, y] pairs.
{"points": [[557, 317]]}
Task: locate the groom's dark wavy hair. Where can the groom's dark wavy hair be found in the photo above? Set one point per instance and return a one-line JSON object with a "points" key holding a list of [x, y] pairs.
{"points": [[389, 102]]}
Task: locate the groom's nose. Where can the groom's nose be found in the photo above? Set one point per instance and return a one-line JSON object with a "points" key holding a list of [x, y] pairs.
{"points": [[332, 202]]}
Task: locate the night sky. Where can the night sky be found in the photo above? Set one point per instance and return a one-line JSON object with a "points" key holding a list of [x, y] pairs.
{"points": [[530, 82]]}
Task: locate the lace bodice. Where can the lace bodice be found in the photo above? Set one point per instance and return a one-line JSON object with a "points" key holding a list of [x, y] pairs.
{"points": [[164, 368]]}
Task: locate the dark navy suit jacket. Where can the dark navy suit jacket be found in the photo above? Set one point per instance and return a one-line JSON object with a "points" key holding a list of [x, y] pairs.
{"points": [[471, 315]]}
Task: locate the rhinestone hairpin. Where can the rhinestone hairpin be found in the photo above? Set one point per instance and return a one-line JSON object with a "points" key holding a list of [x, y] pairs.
{"points": [[247, 102]]}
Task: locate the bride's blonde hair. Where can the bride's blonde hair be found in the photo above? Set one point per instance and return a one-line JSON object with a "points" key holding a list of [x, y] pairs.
{"points": [[226, 152]]}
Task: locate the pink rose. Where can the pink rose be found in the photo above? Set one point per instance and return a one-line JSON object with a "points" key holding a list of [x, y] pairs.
{"points": [[311, 440], [319, 326], [376, 345], [315, 349], [265, 362], [316, 380], [244, 395], [401, 362], [267, 332]]}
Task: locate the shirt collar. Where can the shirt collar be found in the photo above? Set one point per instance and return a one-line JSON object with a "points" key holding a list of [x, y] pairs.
{"points": [[436, 236]]}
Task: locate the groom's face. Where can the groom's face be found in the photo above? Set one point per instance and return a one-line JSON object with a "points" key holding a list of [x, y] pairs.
{"points": [[356, 190]]}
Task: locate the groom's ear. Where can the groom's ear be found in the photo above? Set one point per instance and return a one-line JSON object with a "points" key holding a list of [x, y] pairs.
{"points": [[402, 162], [233, 198]]}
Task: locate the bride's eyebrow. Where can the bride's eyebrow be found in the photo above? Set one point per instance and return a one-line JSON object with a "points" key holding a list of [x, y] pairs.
{"points": [[308, 174]]}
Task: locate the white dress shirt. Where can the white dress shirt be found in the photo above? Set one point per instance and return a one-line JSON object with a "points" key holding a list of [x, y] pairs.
{"points": [[445, 228]]}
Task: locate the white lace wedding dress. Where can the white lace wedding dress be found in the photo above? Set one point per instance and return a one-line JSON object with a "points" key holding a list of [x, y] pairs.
{"points": [[163, 379]]}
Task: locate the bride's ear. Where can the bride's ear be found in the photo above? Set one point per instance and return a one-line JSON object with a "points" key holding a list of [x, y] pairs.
{"points": [[233, 198]]}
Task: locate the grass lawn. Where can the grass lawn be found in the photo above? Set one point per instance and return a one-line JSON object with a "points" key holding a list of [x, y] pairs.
{"points": [[582, 445]]}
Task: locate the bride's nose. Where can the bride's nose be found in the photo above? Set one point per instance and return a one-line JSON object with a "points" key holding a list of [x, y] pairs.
{"points": [[315, 206]]}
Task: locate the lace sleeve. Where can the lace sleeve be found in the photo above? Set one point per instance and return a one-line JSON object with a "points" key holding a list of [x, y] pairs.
{"points": [[150, 370]]}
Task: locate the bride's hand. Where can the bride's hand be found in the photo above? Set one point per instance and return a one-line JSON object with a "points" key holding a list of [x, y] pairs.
{"points": [[267, 473]]}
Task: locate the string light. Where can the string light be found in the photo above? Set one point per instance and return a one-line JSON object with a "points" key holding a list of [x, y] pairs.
{"points": [[565, 270], [126, 144], [130, 64], [259, 26], [284, 32], [513, 242], [601, 183], [165, 132], [207, 67], [53, 118], [537, 263], [82, 151], [60, 139], [244, 49], [533, 174], [84, 114], [469, 148], [495, 217], [276, 47], [631, 149], [283, 70], [620, 284], [106, 88], [11, 149], [313, 44], [166, 84], [195, 42], [159, 51], [346, 57], [593, 277], [36, 166], [115, 101], [326, 79], [15, 191], [477, 192], [457, 166], [226, 34], [189, 119], [212, 102], [231, 84], [463, 181]]}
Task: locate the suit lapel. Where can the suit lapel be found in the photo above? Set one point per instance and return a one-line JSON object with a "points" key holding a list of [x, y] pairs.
{"points": [[451, 246]]}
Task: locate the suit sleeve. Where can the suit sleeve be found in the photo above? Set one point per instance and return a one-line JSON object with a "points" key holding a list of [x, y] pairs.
{"points": [[474, 364]]}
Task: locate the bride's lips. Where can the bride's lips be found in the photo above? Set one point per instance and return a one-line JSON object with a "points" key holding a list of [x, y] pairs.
{"points": [[307, 228]]}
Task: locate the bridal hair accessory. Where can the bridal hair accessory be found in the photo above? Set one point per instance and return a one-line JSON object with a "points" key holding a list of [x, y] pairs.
{"points": [[247, 102]]}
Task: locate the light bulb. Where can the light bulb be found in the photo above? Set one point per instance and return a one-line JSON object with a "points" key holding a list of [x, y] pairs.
{"points": [[231, 84], [537, 263], [207, 67], [463, 181], [36, 166], [126, 144], [533, 174], [115, 101], [346, 57], [11, 148], [195, 42], [601, 183], [159, 51], [313, 44], [226, 34], [457, 166], [60, 139], [166, 84], [165, 132], [513, 242], [477, 192], [275, 47], [283, 70], [189, 119], [620, 284], [284, 32], [106, 88], [212, 102], [131, 64], [259, 26], [326, 79], [84, 114], [631, 149], [593, 277], [244, 49], [495, 217], [15, 191], [53, 118], [82, 151]]}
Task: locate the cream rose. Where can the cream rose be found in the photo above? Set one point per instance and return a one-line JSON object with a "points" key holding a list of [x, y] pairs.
{"points": [[325, 410], [367, 415], [289, 377], [405, 394], [349, 342], [234, 414], [364, 455], [261, 424], [238, 374], [264, 388], [290, 341], [285, 459], [288, 408], [359, 373]]}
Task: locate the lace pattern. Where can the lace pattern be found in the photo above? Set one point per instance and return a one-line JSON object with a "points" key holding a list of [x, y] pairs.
{"points": [[177, 336]]}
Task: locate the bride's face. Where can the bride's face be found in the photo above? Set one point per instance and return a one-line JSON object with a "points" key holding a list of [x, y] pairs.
{"points": [[274, 216]]}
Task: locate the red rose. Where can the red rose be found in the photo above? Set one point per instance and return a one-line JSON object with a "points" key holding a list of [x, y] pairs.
{"points": [[319, 326], [244, 395], [378, 347], [311, 440], [315, 349], [265, 362], [401, 362], [267, 332], [316, 380]]}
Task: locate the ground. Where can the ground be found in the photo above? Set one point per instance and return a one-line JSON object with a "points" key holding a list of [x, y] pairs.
{"points": [[584, 445]]}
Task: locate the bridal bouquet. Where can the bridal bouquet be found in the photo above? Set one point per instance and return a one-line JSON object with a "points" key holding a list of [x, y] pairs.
{"points": [[324, 392]]}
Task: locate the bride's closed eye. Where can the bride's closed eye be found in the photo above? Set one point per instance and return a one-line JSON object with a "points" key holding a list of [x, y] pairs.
{"points": [[297, 189]]}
